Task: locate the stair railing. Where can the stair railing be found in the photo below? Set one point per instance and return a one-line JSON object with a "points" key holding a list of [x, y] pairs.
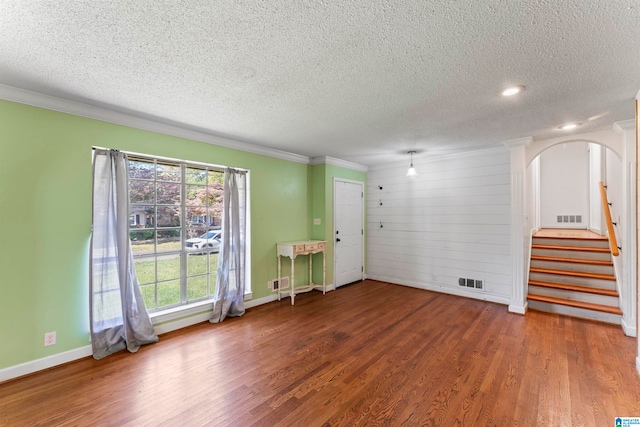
{"points": [[613, 242]]}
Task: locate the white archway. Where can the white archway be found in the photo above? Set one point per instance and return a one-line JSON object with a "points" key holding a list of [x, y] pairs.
{"points": [[612, 164], [608, 138], [523, 151]]}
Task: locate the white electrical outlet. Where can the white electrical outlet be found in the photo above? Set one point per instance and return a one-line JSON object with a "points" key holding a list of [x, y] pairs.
{"points": [[49, 338]]}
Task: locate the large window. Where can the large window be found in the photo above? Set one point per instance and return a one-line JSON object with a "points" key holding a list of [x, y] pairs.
{"points": [[174, 225]]}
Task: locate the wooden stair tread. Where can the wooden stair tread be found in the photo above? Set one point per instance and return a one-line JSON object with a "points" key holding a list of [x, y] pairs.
{"points": [[571, 248], [577, 304], [572, 273], [575, 288], [573, 260], [595, 239]]}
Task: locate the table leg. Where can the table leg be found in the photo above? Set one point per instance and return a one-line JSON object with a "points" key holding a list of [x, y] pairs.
{"points": [[279, 275], [310, 269], [324, 272], [293, 280]]}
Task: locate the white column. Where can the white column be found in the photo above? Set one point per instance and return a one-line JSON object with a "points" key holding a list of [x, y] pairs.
{"points": [[518, 303], [628, 218], [635, 216]]}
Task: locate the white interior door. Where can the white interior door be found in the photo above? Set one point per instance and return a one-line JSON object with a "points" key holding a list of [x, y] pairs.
{"points": [[348, 231]]}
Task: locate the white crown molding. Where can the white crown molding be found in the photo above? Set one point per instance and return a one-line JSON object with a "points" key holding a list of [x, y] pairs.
{"points": [[36, 99], [624, 125], [425, 158], [518, 142], [471, 153], [338, 162]]}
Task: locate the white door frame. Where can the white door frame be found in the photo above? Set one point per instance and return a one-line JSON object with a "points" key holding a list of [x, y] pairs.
{"points": [[333, 235]]}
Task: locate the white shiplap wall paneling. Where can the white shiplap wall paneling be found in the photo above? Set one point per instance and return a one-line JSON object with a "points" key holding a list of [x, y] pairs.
{"points": [[451, 221]]}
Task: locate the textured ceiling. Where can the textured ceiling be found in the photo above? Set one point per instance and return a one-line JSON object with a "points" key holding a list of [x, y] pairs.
{"points": [[359, 80]]}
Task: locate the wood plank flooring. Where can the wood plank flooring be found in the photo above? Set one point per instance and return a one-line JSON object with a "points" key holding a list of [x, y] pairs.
{"points": [[367, 354]]}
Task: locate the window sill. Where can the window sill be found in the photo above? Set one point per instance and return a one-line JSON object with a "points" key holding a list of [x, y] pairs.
{"points": [[188, 310]]}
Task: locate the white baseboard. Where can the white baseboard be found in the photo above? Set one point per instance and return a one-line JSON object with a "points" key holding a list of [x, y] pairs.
{"points": [[44, 363], [182, 323], [260, 301], [597, 231], [519, 309], [629, 330], [166, 323], [444, 289], [287, 292]]}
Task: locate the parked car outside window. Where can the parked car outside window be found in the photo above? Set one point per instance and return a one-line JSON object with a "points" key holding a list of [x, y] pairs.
{"points": [[209, 241]]}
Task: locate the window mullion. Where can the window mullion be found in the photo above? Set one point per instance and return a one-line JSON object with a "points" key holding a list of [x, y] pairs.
{"points": [[183, 235], [206, 215], [155, 228]]}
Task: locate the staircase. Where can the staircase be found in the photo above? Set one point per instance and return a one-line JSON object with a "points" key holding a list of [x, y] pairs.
{"points": [[573, 276]]}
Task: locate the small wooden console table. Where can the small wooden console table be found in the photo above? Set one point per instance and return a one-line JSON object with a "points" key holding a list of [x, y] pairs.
{"points": [[292, 250]]}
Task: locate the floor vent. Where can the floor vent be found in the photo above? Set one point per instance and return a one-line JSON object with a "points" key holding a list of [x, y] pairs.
{"points": [[569, 219], [471, 283]]}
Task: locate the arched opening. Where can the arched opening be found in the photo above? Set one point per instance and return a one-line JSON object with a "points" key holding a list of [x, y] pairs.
{"points": [[561, 191], [562, 185]]}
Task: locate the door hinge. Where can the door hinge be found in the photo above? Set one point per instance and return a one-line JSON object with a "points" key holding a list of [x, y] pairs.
{"points": [[362, 269]]}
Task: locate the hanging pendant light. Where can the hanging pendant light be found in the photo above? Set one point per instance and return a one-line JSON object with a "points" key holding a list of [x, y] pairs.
{"points": [[412, 170]]}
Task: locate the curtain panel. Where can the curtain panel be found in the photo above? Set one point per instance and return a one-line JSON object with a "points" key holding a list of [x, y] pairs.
{"points": [[119, 318], [230, 285]]}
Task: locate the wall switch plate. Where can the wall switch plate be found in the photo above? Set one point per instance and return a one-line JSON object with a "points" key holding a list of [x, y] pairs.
{"points": [[317, 221], [49, 338]]}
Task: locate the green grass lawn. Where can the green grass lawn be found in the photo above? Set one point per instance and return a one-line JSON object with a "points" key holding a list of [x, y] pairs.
{"points": [[146, 246], [200, 269]]}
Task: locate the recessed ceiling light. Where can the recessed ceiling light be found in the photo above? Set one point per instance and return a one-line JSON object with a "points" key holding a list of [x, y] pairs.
{"points": [[513, 90], [569, 126]]}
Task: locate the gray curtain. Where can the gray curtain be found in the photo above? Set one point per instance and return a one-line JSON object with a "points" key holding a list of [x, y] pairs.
{"points": [[230, 286], [119, 318]]}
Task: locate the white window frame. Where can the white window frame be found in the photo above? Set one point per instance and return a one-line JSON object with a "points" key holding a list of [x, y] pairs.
{"points": [[185, 308]]}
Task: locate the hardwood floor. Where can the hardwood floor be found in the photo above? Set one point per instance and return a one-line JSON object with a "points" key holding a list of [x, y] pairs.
{"points": [[367, 354]]}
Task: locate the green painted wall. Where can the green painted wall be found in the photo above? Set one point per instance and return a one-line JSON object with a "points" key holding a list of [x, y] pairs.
{"points": [[322, 207], [318, 172], [45, 221]]}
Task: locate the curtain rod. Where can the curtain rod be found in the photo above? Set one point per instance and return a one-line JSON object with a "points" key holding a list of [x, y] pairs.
{"points": [[143, 156]]}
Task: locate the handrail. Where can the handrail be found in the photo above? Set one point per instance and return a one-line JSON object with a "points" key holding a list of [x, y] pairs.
{"points": [[607, 214]]}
